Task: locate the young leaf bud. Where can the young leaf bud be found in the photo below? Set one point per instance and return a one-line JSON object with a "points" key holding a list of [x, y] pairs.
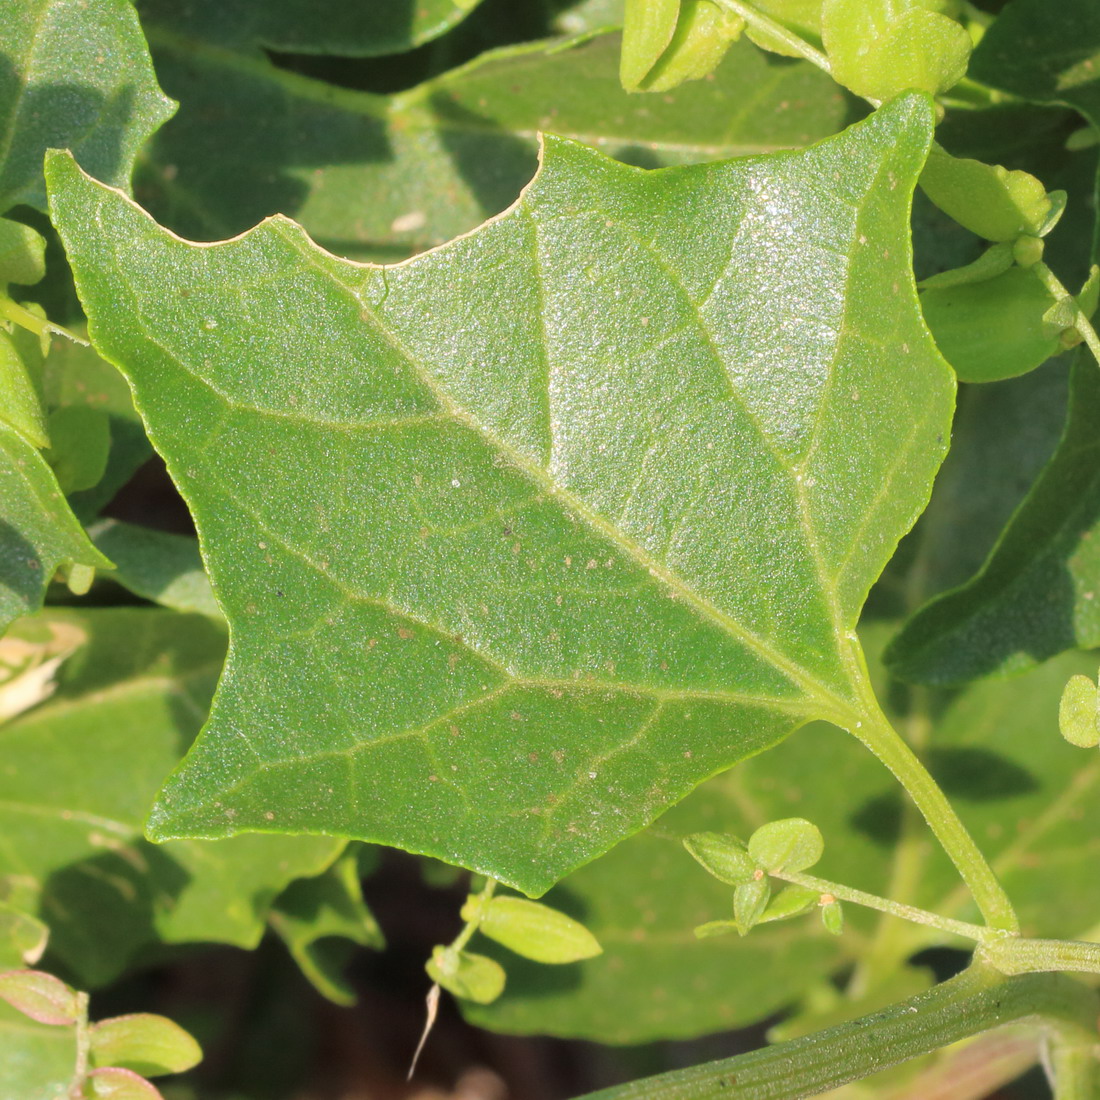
{"points": [[832, 915], [725, 857], [792, 844], [471, 977], [749, 903], [792, 901], [1077, 713]]}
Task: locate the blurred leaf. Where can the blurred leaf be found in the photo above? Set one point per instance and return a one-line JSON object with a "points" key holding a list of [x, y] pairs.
{"points": [[468, 976], [41, 996], [430, 619], [157, 566], [36, 1060], [57, 92], [313, 26], [374, 177], [80, 772], [20, 404], [22, 254], [147, 1044], [321, 919], [534, 930], [120, 1084], [1036, 594], [22, 937], [80, 440], [38, 533]]}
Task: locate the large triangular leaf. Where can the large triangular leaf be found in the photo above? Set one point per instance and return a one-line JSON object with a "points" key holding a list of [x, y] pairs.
{"points": [[522, 539]]}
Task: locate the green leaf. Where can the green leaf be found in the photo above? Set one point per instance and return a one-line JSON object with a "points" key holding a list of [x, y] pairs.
{"points": [[144, 1043], [702, 36], [879, 48], [648, 29], [37, 1061], [80, 441], [995, 328], [22, 254], [468, 976], [386, 177], [120, 1084], [792, 844], [1036, 593], [1044, 52], [590, 620], [803, 17], [535, 931], [80, 772], [156, 565], [716, 928], [314, 26], [791, 901], [60, 93], [22, 937], [75, 377], [20, 404], [40, 996], [749, 902], [38, 533], [987, 199], [643, 899], [725, 857], [320, 920], [1077, 713], [832, 916]]}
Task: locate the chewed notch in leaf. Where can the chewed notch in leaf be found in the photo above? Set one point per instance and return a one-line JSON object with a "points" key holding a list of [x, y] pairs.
{"points": [[522, 539]]}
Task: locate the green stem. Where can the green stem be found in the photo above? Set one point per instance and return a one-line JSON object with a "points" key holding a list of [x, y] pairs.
{"points": [[976, 932], [12, 311], [83, 1047], [1012, 955], [1073, 1064], [759, 21], [973, 1002], [471, 926], [1081, 324], [874, 730]]}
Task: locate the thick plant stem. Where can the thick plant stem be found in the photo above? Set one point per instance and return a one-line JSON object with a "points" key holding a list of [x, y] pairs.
{"points": [[975, 1001], [875, 731]]}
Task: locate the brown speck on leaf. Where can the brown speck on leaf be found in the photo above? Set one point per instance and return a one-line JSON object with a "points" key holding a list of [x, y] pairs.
{"points": [[433, 778], [515, 549], [559, 756], [269, 816], [533, 757], [568, 560], [591, 563], [453, 730], [452, 661], [516, 716], [664, 666], [404, 632], [424, 532], [371, 643], [687, 754]]}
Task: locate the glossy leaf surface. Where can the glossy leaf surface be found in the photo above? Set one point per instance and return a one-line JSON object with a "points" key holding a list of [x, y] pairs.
{"points": [[600, 615], [80, 772], [56, 91], [385, 177]]}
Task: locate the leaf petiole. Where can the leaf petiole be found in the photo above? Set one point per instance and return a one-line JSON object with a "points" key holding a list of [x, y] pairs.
{"points": [[761, 22], [1081, 324], [976, 932], [12, 311]]}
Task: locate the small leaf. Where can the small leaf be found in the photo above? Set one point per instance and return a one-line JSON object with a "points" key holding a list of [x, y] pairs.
{"points": [[994, 329], [749, 903], [115, 1083], [724, 856], [466, 975], [832, 916], [792, 901], [703, 35], [80, 441], [648, 27], [1077, 712], [1089, 296], [803, 17], [716, 928], [22, 937], [22, 254], [792, 844], [20, 403], [536, 931], [40, 996], [987, 199], [145, 1043], [877, 53], [991, 263]]}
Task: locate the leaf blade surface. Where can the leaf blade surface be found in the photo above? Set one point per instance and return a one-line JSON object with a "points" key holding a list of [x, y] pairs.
{"points": [[602, 495]]}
